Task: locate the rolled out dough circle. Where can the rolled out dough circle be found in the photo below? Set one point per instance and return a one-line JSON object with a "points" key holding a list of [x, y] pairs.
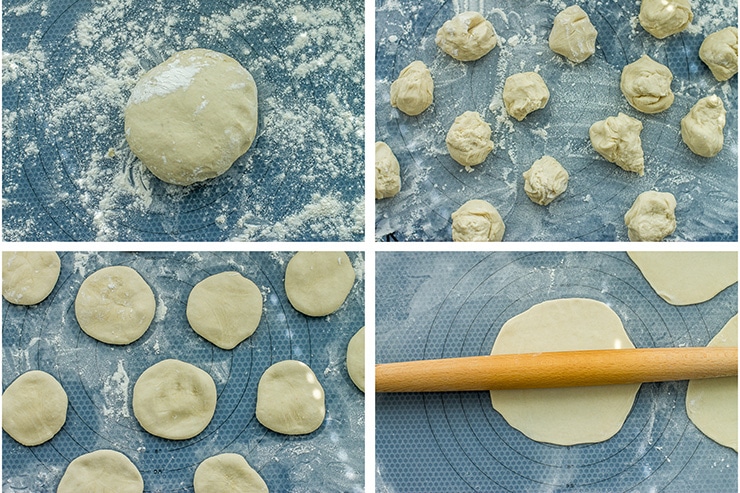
{"points": [[565, 416], [356, 359], [175, 400], [115, 305], [101, 471], [34, 408], [317, 283], [227, 473], [29, 277], [712, 403]]}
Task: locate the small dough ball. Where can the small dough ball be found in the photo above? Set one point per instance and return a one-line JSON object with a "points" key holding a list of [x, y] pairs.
{"points": [[290, 400], [469, 139], [719, 52], [227, 473], [115, 305], [387, 172], [477, 220], [525, 93], [102, 471], [34, 408], [652, 217], [189, 118], [545, 180], [413, 91], [617, 139], [647, 85], [466, 37], [356, 359], [317, 283], [225, 309], [573, 35], [175, 400], [661, 18], [702, 128], [29, 277]]}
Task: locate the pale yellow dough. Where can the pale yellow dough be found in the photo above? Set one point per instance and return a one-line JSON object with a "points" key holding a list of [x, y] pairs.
{"points": [[702, 128], [719, 52], [34, 408], [524, 93], [317, 283], [617, 139], [652, 216], [545, 181], [466, 37], [647, 85], [29, 277], [102, 471], [469, 139], [356, 359], [477, 220], [573, 35], [227, 473], [413, 91], [662, 18], [387, 172]]}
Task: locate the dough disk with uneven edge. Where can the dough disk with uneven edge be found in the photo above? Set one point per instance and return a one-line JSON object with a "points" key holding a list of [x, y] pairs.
{"points": [[227, 473], [102, 471], [317, 283], [34, 408], [29, 277], [565, 416], [356, 359]]}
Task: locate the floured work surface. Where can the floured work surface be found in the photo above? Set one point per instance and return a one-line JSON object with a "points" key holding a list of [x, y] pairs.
{"points": [[599, 193]]}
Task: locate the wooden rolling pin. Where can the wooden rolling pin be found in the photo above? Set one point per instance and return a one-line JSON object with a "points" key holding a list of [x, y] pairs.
{"points": [[556, 369]]}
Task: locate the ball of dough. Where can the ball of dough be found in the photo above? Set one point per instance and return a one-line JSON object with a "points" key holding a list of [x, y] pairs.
{"points": [[661, 18], [702, 128], [617, 139], [573, 35], [524, 93], [227, 473], [719, 52], [189, 118], [647, 85], [225, 309], [29, 277], [545, 180], [115, 305], [290, 400], [102, 471], [469, 139], [413, 91], [477, 220], [652, 217], [317, 283], [387, 172], [34, 408], [466, 37], [356, 359], [174, 400]]}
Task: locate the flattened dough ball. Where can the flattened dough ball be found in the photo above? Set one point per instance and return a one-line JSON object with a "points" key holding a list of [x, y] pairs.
{"points": [[719, 52], [34, 408], [317, 283], [662, 18], [227, 473], [102, 471], [413, 91], [702, 129], [545, 181], [225, 309], [477, 220], [647, 85], [175, 400], [652, 216], [356, 359], [573, 35], [387, 172], [466, 37], [524, 93], [618, 141], [290, 400], [115, 305], [29, 277], [189, 118], [469, 139]]}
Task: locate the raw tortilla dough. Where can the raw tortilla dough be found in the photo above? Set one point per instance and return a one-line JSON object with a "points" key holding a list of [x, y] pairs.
{"points": [[652, 216], [225, 309], [545, 180], [189, 118], [290, 400], [477, 220], [356, 359], [34, 408], [387, 172], [573, 35], [469, 139], [618, 141], [29, 277], [115, 305], [524, 93], [317, 283], [719, 52], [102, 471], [566, 416], [686, 278], [702, 128], [647, 85], [174, 400], [662, 18], [712, 403], [227, 473], [413, 91], [466, 37]]}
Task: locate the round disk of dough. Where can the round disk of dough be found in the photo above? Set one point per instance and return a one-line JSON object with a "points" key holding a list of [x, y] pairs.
{"points": [[356, 359], [565, 416], [290, 400], [225, 309], [317, 283], [174, 400], [189, 118], [34, 408], [115, 305], [29, 277], [686, 278], [227, 473], [711, 403], [101, 471]]}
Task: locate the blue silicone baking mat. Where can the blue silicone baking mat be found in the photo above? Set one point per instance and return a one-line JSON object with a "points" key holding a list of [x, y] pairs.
{"points": [[69, 67], [437, 305], [99, 378], [599, 193]]}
